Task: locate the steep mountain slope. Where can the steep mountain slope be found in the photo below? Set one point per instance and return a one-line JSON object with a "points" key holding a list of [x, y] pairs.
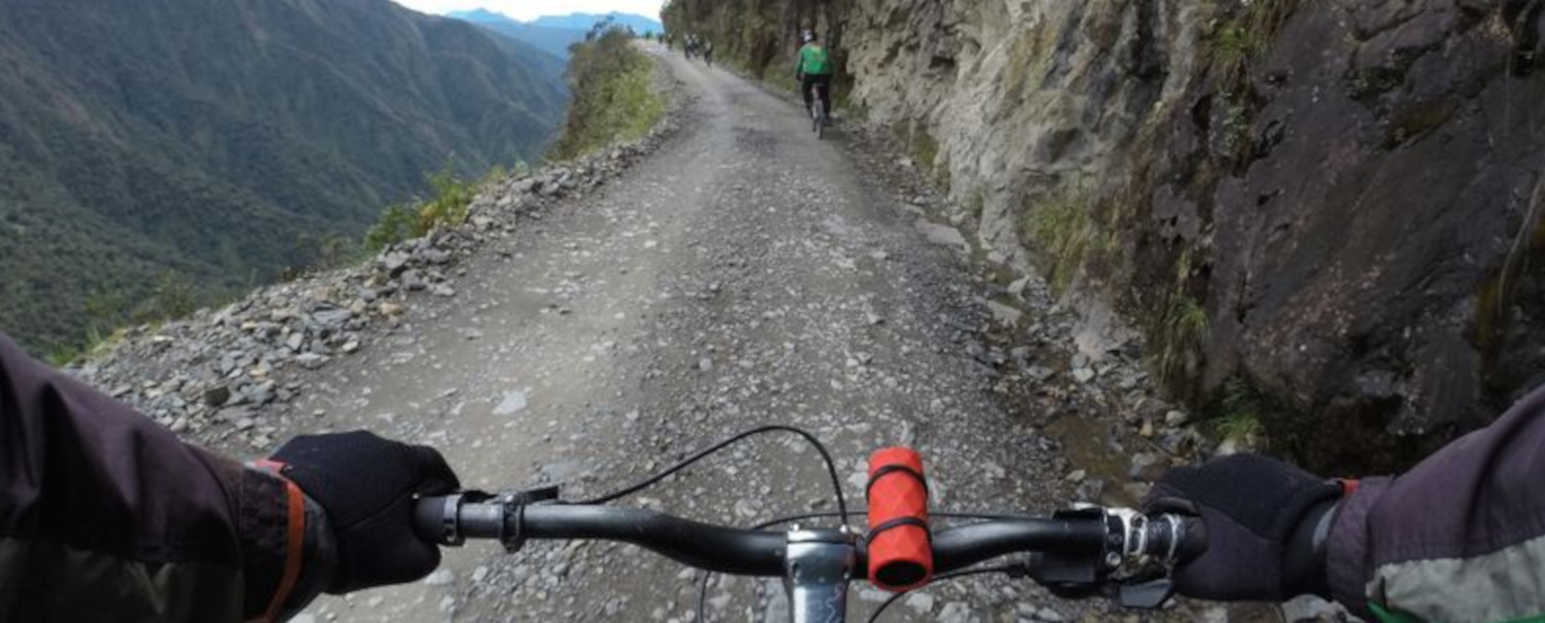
{"points": [[555, 41], [1325, 215], [224, 140]]}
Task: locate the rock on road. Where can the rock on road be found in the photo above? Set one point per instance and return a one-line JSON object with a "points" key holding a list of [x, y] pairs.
{"points": [[745, 274]]}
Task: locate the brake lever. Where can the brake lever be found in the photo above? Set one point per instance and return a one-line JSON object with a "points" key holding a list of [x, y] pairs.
{"points": [[1122, 574], [1146, 586], [1147, 595]]}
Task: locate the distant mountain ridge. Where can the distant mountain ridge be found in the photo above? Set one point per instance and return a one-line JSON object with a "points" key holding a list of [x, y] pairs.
{"points": [[554, 41], [224, 140], [584, 21], [554, 33]]}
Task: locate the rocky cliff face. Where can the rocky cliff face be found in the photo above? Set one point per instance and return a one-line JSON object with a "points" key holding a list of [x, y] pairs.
{"points": [[1326, 210]]}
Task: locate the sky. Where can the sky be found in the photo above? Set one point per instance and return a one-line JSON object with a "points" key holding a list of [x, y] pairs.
{"points": [[527, 9]]}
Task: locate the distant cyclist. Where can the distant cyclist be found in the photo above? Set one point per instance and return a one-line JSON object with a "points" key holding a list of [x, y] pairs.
{"points": [[815, 68]]}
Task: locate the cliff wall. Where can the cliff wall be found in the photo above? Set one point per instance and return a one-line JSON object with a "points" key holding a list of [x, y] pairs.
{"points": [[1327, 210]]}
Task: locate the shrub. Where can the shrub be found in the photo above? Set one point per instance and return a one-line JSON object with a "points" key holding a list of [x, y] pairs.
{"points": [[396, 223], [1180, 337], [335, 250], [1060, 229], [61, 355], [448, 207], [174, 296]]}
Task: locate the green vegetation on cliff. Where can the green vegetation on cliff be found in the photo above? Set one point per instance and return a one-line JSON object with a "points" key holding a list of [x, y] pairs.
{"points": [[223, 143], [448, 207], [613, 95]]}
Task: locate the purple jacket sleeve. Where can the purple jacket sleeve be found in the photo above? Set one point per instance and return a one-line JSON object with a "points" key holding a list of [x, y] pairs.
{"points": [[105, 515], [1460, 537]]}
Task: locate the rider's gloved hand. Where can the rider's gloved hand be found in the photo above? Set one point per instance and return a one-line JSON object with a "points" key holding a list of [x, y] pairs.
{"points": [[366, 485], [1264, 527]]}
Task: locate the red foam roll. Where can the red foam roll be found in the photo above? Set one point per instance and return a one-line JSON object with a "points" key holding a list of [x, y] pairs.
{"points": [[900, 553]]}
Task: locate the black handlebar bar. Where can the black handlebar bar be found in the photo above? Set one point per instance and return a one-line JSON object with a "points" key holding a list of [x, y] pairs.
{"points": [[701, 545], [449, 520]]}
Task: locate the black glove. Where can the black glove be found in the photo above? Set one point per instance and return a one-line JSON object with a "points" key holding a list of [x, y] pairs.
{"points": [[366, 485], [1262, 516]]}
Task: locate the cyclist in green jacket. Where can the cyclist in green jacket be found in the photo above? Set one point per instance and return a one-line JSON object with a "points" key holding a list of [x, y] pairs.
{"points": [[814, 68]]}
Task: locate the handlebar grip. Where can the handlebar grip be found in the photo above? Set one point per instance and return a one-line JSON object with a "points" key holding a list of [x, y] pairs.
{"points": [[1174, 539], [432, 523], [1193, 540], [900, 545]]}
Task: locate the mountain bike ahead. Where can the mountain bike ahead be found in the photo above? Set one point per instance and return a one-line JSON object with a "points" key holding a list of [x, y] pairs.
{"points": [[1119, 553], [818, 113]]}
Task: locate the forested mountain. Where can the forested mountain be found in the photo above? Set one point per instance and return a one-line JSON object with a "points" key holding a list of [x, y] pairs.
{"points": [[555, 41], [221, 141]]}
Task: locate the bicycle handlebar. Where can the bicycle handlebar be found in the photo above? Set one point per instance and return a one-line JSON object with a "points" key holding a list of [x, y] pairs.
{"points": [[701, 545], [450, 520]]}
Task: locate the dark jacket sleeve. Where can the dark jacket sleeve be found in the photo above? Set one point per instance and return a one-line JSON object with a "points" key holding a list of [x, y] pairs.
{"points": [[1459, 538], [104, 515]]}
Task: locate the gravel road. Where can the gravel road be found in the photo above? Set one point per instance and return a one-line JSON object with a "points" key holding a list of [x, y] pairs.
{"points": [[745, 274]]}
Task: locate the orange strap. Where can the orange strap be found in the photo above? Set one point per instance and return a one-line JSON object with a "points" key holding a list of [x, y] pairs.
{"points": [[295, 537]]}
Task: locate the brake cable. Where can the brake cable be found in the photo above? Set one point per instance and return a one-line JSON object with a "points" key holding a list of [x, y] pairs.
{"points": [[842, 509], [1009, 569], [831, 467]]}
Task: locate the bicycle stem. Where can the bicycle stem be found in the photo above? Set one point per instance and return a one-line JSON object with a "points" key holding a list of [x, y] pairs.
{"points": [[817, 566]]}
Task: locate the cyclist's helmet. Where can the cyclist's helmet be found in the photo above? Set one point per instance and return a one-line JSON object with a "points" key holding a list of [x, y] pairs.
{"points": [[808, 36]]}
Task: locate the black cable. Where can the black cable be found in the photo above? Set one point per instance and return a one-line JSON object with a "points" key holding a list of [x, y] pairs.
{"points": [[875, 616], [842, 508], [831, 467]]}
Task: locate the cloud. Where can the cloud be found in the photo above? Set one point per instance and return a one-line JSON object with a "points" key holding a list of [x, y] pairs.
{"points": [[528, 9]]}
